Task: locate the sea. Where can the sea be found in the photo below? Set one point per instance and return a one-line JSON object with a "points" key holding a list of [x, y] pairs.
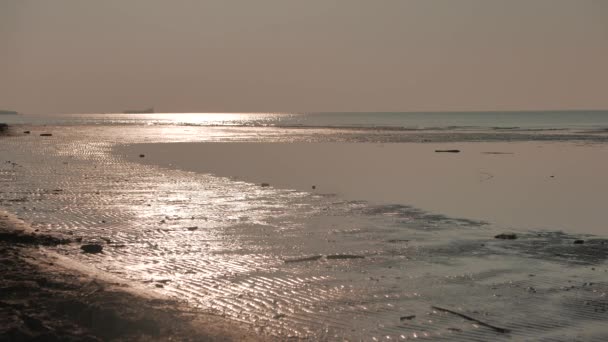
{"points": [[521, 120], [303, 265]]}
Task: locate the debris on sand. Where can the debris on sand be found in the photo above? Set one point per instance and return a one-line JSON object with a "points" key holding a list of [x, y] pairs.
{"points": [[142, 155], [314, 187], [265, 185], [92, 248], [46, 134], [409, 318], [447, 151], [192, 228], [506, 236], [304, 259], [579, 242], [493, 327], [397, 240], [26, 132]]}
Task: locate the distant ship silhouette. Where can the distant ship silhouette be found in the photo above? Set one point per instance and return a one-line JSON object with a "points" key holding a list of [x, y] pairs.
{"points": [[139, 111]]}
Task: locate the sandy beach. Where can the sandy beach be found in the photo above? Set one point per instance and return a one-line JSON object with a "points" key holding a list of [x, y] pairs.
{"points": [[390, 242], [47, 297]]}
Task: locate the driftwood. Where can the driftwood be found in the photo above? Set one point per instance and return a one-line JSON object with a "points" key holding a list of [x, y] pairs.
{"points": [[447, 151], [328, 257], [310, 258], [469, 318], [344, 256]]}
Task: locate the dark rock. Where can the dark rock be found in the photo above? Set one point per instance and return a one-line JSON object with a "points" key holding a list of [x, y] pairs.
{"points": [[34, 323], [92, 248], [506, 236], [579, 242], [265, 185], [26, 132], [447, 151], [142, 155], [314, 187], [192, 228]]}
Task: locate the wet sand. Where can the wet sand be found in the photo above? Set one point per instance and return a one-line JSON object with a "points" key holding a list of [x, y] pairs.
{"points": [[47, 297], [223, 246], [523, 185]]}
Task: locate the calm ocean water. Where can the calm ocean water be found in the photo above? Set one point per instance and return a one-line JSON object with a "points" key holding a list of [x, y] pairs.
{"points": [[406, 121]]}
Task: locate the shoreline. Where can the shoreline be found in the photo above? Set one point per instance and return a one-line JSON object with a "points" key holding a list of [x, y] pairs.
{"points": [[48, 296]]}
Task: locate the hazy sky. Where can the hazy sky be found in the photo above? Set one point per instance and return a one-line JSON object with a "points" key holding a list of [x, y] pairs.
{"points": [[314, 55]]}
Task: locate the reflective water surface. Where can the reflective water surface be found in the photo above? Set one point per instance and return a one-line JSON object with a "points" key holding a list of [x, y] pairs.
{"points": [[237, 249]]}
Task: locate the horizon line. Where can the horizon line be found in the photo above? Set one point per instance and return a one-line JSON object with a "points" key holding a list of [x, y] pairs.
{"points": [[335, 112]]}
